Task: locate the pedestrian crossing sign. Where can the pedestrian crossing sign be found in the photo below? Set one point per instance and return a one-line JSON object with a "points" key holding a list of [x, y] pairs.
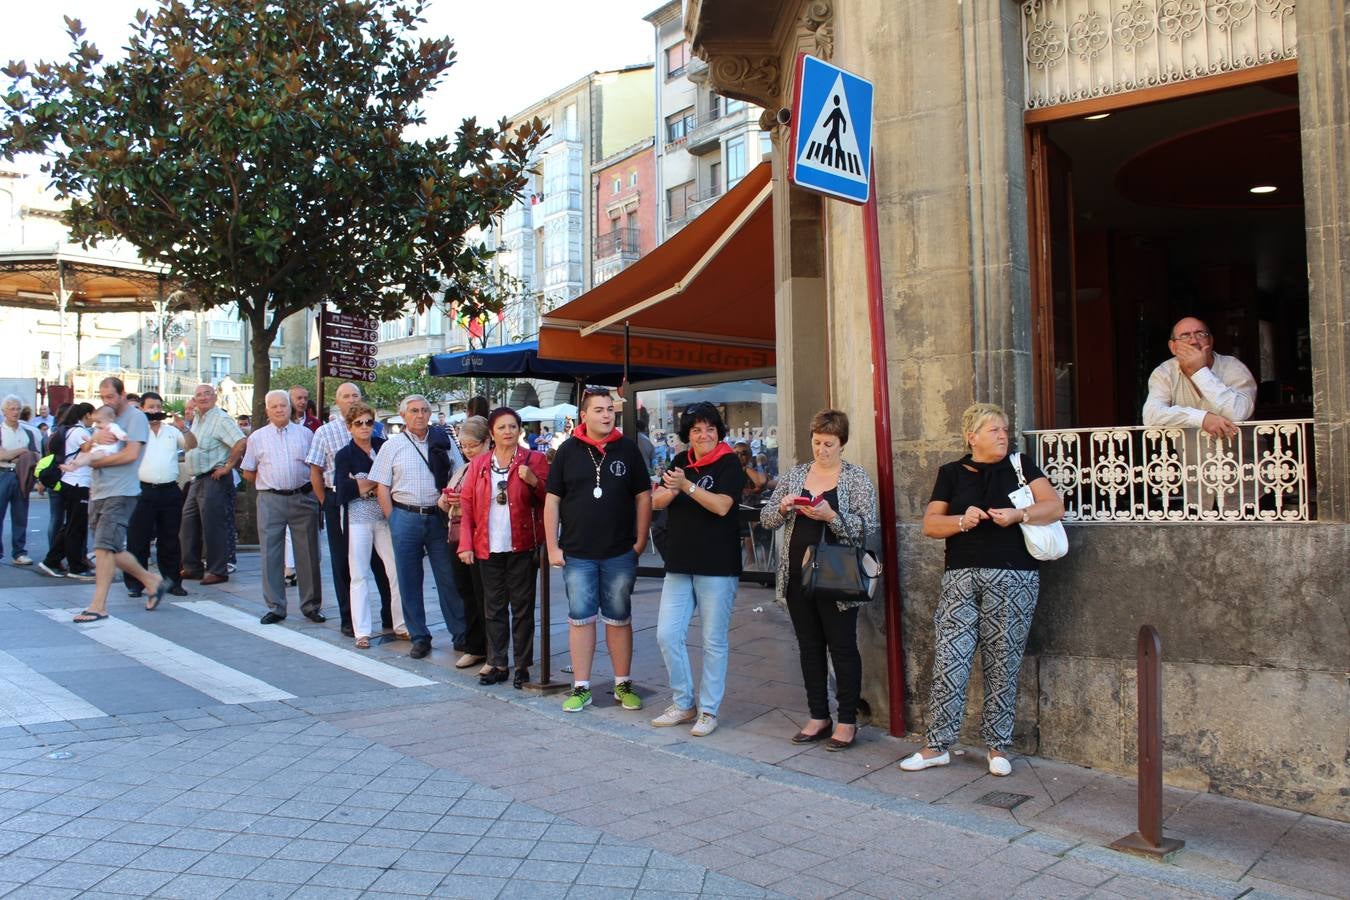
{"points": [[831, 131]]}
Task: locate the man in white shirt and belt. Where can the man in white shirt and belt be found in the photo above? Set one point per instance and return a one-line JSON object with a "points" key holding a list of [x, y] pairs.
{"points": [[1198, 388], [16, 439], [408, 475], [274, 461], [328, 440], [159, 510]]}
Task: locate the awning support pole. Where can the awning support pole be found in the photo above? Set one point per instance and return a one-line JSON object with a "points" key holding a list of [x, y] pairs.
{"points": [[162, 327], [881, 402], [61, 318]]}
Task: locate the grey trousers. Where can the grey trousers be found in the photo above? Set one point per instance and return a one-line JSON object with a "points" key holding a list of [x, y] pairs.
{"points": [[990, 609], [208, 516], [301, 513]]}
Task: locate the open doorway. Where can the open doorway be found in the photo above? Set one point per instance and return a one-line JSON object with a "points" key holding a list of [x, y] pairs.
{"points": [[1143, 215]]}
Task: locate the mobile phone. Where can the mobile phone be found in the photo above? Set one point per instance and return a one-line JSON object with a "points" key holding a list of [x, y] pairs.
{"points": [[805, 501]]}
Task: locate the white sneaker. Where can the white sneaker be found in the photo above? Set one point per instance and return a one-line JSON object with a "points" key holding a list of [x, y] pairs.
{"points": [[917, 763], [706, 725], [23, 560], [999, 765], [674, 716], [48, 570]]}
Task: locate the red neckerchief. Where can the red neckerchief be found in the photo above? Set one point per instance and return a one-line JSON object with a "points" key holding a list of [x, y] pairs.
{"points": [[580, 433], [723, 449]]}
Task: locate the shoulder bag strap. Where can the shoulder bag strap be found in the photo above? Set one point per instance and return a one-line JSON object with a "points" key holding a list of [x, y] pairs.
{"points": [[1017, 467]]}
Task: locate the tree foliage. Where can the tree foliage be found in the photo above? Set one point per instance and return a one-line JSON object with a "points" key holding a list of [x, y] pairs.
{"points": [[258, 149]]}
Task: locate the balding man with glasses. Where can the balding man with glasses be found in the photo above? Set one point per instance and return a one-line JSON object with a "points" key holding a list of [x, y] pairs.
{"points": [[1198, 388], [409, 473]]}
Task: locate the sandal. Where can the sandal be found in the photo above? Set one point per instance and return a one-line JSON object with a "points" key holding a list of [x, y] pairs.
{"points": [[88, 616], [153, 600], [363, 643]]}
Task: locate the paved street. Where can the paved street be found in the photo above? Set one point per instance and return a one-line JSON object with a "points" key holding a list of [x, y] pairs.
{"points": [[190, 752]]}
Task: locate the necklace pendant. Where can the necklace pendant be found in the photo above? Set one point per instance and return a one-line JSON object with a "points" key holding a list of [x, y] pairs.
{"points": [[598, 492]]}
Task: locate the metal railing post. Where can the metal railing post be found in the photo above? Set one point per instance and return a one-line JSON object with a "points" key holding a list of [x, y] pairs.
{"points": [[1148, 840]]}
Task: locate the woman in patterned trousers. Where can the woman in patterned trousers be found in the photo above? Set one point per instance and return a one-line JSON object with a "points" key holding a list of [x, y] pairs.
{"points": [[989, 587]]}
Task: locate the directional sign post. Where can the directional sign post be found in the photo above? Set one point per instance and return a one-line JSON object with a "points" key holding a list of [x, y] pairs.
{"points": [[347, 347], [831, 154], [831, 131]]}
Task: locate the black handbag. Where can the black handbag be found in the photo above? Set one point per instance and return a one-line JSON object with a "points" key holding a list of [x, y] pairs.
{"points": [[839, 573]]}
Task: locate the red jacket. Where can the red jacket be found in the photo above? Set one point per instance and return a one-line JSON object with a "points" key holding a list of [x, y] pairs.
{"points": [[478, 493]]}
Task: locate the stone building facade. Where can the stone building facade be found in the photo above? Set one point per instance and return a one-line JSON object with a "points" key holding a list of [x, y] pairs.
{"points": [[1252, 610]]}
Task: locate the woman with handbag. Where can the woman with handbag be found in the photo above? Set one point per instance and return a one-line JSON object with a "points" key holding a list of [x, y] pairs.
{"points": [[990, 585], [702, 553], [832, 501], [473, 442], [501, 526]]}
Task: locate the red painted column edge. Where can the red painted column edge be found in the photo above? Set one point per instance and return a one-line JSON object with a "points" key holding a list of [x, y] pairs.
{"points": [[881, 401]]}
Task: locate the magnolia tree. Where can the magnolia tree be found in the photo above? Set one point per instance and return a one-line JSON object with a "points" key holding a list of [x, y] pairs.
{"points": [[261, 151]]}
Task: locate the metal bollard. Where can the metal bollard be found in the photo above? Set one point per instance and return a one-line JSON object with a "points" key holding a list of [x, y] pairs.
{"points": [[1149, 840], [544, 685]]}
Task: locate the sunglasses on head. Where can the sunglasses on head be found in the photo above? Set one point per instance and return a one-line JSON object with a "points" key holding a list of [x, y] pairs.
{"points": [[501, 493]]}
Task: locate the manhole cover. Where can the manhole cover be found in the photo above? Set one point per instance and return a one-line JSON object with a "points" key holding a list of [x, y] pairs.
{"points": [[60, 754], [1003, 799]]}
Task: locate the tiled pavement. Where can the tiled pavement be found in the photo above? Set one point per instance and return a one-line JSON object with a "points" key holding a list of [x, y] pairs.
{"points": [[353, 787]]}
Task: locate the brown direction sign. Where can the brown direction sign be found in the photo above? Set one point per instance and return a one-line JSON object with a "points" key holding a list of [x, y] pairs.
{"points": [[366, 360], [351, 333], [347, 320], [356, 348], [335, 370]]}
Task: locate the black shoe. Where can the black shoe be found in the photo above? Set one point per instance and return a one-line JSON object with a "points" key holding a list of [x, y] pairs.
{"points": [[522, 676], [271, 618], [178, 591], [316, 616], [292, 581], [822, 734], [348, 631], [496, 676], [420, 648]]}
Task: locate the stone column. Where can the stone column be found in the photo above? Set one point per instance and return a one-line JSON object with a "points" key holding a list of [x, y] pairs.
{"points": [[1324, 111]]}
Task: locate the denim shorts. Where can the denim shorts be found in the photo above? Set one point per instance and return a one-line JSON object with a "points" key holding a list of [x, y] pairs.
{"points": [[600, 586]]}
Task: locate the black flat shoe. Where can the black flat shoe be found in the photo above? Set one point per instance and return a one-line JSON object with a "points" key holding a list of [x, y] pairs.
{"points": [[803, 738], [834, 746], [522, 676], [496, 676], [271, 618], [316, 617]]}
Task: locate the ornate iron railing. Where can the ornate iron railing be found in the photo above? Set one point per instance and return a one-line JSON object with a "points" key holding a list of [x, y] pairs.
{"points": [[1081, 49], [1149, 474]]}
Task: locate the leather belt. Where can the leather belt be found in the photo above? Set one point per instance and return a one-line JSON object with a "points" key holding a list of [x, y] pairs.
{"points": [[417, 510], [146, 485], [303, 489]]}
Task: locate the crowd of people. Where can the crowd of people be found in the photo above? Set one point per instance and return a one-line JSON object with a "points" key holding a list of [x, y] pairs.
{"points": [[485, 505]]}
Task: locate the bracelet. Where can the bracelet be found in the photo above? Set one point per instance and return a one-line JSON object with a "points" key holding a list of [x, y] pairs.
{"points": [[961, 523], [1026, 517]]}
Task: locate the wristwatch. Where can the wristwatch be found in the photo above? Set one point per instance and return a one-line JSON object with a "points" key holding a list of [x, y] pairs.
{"points": [[692, 487]]}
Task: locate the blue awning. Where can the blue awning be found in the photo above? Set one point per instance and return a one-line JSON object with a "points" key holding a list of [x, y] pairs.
{"points": [[523, 361]]}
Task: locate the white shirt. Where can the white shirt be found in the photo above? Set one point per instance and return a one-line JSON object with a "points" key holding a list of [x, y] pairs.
{"points": [[159, 464], [1227, 389], [13, 439], [499, 515], [76, 435], [109, 449], [278, 456], [403, 466]]}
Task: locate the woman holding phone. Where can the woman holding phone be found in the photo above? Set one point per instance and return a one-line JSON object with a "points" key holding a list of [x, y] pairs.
{"points": [[824, 497]]}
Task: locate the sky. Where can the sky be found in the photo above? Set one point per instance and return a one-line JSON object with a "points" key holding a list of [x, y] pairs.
{"points": [[511, 52]]}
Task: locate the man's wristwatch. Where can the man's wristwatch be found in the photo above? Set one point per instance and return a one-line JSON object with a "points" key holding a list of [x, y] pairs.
{"points": [[692, 487]]}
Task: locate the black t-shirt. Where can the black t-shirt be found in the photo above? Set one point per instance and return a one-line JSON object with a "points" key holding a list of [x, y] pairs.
{"points": [[597, 527], [987, 545], [699, 542]]}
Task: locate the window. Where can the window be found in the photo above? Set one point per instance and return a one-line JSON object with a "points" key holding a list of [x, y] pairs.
{"points": [[678, 199], [110, 360], [679, 125], [714, 179], [570, 122], [276, 363], [735, 157], [714, 106], [677, 58], [733, 106], [220, 366], [618, 185], [276, 341], [765, 143]]}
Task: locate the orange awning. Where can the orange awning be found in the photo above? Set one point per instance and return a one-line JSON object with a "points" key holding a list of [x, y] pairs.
{"points": [[701, 301]]}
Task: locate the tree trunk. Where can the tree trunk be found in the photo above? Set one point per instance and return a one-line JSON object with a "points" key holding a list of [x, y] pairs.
{"points": [[260, 342]]}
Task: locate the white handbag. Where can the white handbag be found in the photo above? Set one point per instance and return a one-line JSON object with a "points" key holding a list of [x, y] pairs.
{"points": [[1044, 542]]}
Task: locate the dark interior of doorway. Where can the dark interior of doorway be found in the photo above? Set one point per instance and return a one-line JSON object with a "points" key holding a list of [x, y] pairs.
{"points": [[1151, 218]]}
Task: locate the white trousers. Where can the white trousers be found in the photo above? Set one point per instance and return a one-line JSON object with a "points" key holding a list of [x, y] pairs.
{"points": [[361, 536]]}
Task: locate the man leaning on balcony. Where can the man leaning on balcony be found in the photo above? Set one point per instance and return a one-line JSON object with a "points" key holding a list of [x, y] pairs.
{"points": [[1198, 388]]}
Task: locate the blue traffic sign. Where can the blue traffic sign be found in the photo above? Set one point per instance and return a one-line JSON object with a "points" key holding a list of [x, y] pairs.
{"points": [[831, 131]]}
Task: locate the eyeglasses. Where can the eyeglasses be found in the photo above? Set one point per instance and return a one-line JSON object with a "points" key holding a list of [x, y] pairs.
{"points": [[363, 423], [501, 493], [1187, 335]]}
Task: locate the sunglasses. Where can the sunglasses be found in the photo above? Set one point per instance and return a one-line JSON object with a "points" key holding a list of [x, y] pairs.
{"points": [[363, 423], [501, 493]]}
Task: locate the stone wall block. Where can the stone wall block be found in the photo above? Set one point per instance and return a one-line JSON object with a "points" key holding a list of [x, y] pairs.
{"points": [[1082, 710]]}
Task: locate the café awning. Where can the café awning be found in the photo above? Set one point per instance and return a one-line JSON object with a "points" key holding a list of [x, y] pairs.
{"points": [[700, 302], [92, 281]]}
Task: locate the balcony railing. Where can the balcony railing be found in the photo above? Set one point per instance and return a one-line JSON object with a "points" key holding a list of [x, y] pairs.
{"points": [[1150, 474], [622, 242]]}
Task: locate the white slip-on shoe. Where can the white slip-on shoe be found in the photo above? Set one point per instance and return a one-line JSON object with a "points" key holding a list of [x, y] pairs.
{"points": [[674, 716], [706, 725], [468, 659], [999, 765], [917, 763]]}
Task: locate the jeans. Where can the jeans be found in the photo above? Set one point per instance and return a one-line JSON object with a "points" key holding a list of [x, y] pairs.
{"points": [[600, 586], [158, 515], [416, 536], [56, 520], [361, 538], [16, 501], [713, 596]]}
